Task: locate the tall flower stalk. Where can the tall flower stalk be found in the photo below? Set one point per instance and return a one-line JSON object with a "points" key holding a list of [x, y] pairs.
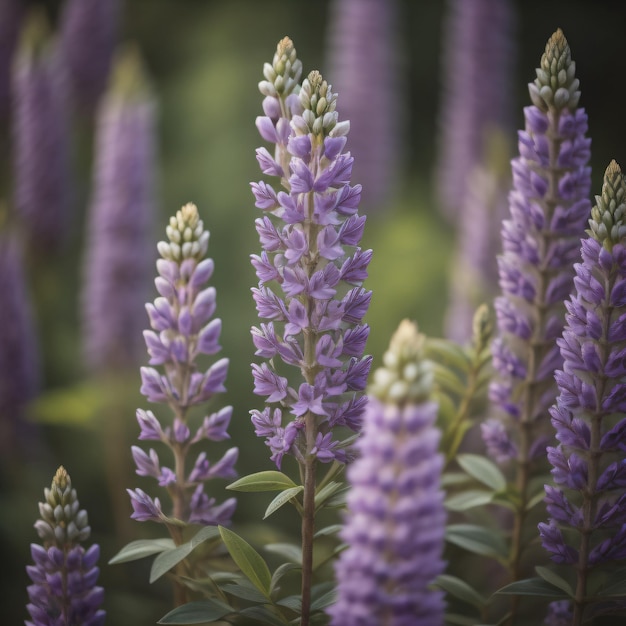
{"points": [[549, 207], [395, 521], [476, 95], [19, 349], [587, 526], [41, 138], [310, 274], [354, 68], [182, 331], [64, 574], [89, 33]]}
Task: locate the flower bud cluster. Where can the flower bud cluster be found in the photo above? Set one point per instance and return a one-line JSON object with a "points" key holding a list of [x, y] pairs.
{"points": [[549, 207], [587, 526], [64, 574], [395, 520], [310, 274], [182, 331]]}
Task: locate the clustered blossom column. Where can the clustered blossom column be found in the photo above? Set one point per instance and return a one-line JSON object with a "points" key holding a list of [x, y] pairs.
{"points": [[310, 274], [182, 330], [64, 574], [89, 34], [395, 521], [355, 68], [41, 137], [549, 209], [118, 254], [587, 526]]}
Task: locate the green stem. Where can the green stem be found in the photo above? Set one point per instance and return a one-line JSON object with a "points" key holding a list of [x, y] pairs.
{"points": [[308, 529]]}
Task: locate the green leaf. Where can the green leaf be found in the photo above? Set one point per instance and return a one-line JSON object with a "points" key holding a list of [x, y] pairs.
{"points": [[468, 500], [333, 529], [554, 579], [327, 491], [170, 558], [140, 549], [483, 470], [533, 587], [448, 381], [325, 600], [249, 561], [617, 589], [281, 499], [265, 615], [447, 352], [270, 480], [477, 539], [290, 551], [461, 590], [293, 603], [281, 571], [535, 500], [453, 479], [245, 591], [197, 613]]}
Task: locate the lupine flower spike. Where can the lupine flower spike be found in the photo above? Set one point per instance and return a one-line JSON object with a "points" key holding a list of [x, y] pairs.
{"points": [[476, 94], [355, 68], [89, 33], [182, 331], [118, 255], [64, 575], [395, 521], [40, 128], [587, 505], [310, 274], [549, 208], [19, 349]]}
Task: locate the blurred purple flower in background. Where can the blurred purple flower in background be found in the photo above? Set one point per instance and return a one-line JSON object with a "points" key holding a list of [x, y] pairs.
{"points": [[182, 331], [118, 257], [310, 270], [395, 520], [11, 12], [587, 526], [478, 62], [41, 137], [89, 37], [19, 348], [64, 575], [363, 48]]}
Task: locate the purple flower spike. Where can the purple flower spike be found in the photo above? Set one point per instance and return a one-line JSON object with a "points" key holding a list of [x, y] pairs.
{"points": [[118, 257], [395, 520], [478, 59], [540, 242], [311, 268], [88, 40], [19, 349], [355, 68], [182, 329], [586, 508], [64, 574], [41, 134]]}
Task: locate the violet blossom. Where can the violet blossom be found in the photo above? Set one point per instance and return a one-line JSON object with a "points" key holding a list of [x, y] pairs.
{"points": [[586, 529], [89, 34], [476, 94], [41, 137], [183, 329], [549, 207], [19, 349], [355, 68], [310, 270], [118, 257], [64, 574], [395, 520]]}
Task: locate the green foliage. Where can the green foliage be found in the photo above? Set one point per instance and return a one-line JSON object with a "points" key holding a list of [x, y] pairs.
{"points": [[199, 612], [270, 480]]}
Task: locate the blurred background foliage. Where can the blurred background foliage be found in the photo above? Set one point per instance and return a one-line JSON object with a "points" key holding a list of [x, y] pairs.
{"points": [[204, 59]]}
